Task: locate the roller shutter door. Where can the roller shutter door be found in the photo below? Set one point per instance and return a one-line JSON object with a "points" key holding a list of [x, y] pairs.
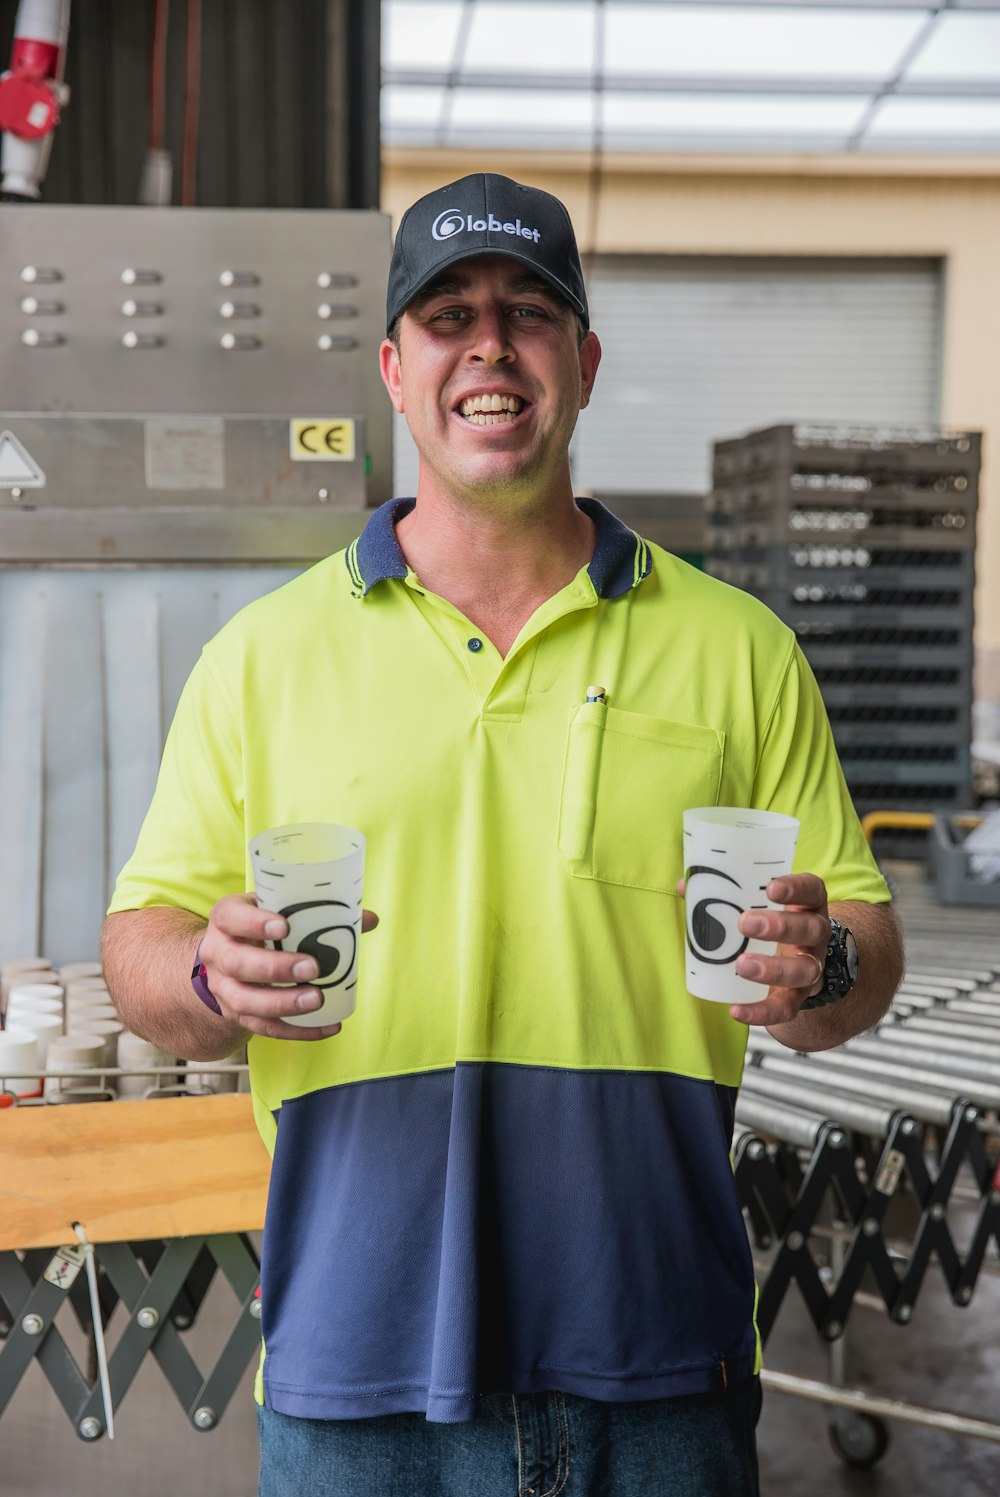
{"points": [[697, 349]]}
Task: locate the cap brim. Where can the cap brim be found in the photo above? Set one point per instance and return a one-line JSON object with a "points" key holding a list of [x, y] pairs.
{"points": [[471, 254]]}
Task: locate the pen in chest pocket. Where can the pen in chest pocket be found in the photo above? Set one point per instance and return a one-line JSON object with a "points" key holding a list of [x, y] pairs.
{"points": [[597, 694]]}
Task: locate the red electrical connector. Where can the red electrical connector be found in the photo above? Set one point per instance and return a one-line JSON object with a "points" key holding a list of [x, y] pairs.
{"points": [[29, 95]]}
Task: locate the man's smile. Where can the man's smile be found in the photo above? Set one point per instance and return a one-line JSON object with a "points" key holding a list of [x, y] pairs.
{"points": [[490, 408]]}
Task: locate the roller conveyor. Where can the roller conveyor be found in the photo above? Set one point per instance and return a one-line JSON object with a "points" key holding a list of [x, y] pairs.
{"points": [[851, 1163]]}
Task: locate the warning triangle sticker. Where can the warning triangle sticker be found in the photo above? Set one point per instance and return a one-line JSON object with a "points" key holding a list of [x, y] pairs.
{"points": [[17, 466]]}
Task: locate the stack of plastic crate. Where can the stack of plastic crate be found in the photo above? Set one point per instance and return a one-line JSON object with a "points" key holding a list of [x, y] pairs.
{"points": [[863, 541]]}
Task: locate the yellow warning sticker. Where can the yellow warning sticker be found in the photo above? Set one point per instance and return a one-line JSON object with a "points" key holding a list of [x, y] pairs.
{"points": [[317, 439]]}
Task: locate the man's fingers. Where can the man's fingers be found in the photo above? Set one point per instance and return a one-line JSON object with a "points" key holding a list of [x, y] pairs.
{"points": [[799, 970], [369, 919], [240, 916], [805, 890], [781, 1006], [792, 928], [274, 1029]]}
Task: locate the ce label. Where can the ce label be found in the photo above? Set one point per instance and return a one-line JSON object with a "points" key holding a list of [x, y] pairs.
{"points": [[318, 439]]}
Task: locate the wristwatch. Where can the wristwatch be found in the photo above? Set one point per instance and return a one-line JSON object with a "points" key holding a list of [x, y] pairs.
{"points": [[840, 971]]}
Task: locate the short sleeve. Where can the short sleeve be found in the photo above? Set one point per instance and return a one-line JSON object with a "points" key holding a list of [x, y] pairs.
{"points": [[798, 773], [190, 850]]}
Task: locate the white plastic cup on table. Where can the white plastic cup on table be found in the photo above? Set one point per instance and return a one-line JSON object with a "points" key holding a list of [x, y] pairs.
{"points": [[140, 1055], [33, 1006], [312, 874], [73, 1052], [20, 1065], [32, 992], [24, 969], [107, 1030], [72, 971], [44, 1027], [89, 1003], [215, 1081], [730, 856]]}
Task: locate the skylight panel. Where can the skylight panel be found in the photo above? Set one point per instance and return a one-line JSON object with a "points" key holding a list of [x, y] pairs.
{"points": [[536, 38], [722, 114], [943, 120], [965, 47], [419, 36], [520, 111], [748, 41], [406, 108]]}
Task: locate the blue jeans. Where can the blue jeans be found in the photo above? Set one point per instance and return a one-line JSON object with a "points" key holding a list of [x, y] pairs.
{"points": [[537, 1445]]}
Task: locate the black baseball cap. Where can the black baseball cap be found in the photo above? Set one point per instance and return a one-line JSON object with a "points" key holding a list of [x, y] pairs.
{"points": [[484, 214]]}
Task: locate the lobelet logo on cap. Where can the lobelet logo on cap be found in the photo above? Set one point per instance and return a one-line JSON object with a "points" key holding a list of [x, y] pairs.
{"points": [[452, 222]]}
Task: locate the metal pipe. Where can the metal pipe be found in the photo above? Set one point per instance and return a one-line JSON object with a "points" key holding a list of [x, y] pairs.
{"points": [[927, 1058], [882, 1408], [921, 1103], [975, 1088], [790, 1124], [903, 1034], [849, 1111]]}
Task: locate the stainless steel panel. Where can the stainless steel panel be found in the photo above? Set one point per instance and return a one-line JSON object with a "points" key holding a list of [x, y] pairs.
{"points": [[284, 255]]}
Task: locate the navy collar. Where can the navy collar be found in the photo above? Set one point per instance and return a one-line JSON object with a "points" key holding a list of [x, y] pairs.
{"points": [[620, 561]]}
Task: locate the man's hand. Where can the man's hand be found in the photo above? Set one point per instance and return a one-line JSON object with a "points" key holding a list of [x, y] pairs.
{"points": [[802, 930], [243, 973]]}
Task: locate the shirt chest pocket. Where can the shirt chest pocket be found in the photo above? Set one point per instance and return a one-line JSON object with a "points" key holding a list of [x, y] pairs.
{"points": [[627, 780]]}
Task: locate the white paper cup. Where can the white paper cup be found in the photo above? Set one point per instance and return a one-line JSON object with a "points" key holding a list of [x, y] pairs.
{"points": [[103, 1027], [24, 969], [44, 1027], [70, 971], [18, 1006], [136, 1054], [312, 874], [19, 1065], [22, 992], [73, 1052], [730, 856], [86, 985], [89, 1008]]}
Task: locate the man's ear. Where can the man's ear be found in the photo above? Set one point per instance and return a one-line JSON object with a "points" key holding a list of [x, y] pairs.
{"points": [[590, 357], [388, 363]]}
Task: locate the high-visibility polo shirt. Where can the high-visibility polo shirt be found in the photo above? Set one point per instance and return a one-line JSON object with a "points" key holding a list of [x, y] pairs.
{"points": [[510, 1171]]}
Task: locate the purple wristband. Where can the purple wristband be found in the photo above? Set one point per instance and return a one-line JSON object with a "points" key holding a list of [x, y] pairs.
{"points": [[199, 981]]}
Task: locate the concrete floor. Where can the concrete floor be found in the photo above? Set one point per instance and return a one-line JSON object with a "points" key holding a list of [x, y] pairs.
{"points": [[945, 1358]]}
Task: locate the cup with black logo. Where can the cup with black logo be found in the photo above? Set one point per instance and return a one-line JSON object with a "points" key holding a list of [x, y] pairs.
{"points": [[312, 873], [730, 856]]}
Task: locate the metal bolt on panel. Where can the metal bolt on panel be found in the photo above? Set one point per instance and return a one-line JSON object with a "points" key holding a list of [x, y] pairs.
{"points": [[32, 1325], [91, 1428], [148, 1317], [255, 1309], [795, 1241], [204, 1418]]}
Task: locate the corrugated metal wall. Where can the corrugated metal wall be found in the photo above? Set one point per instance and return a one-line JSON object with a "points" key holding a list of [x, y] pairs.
{"points": [[91, 668], [289, 102]]}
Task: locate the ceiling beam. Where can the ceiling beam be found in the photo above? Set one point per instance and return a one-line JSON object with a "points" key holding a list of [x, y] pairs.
{"points": [[916, 88]]}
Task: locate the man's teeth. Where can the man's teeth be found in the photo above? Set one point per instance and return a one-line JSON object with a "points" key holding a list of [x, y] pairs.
{"points": [[490, 410]]}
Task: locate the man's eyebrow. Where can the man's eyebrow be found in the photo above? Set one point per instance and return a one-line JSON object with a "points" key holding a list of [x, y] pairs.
{"points": [[443, 286], [456, 285]]}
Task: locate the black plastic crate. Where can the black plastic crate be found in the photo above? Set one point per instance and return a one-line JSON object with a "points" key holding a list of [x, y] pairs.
{"points": [[899, 737], [846, 449]]}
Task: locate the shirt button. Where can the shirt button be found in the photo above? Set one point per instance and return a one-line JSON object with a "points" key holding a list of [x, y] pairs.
{"points": [[475, 644]]}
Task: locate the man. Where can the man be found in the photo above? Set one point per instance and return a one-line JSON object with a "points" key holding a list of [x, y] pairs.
{"points": [[504, 1251]]}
